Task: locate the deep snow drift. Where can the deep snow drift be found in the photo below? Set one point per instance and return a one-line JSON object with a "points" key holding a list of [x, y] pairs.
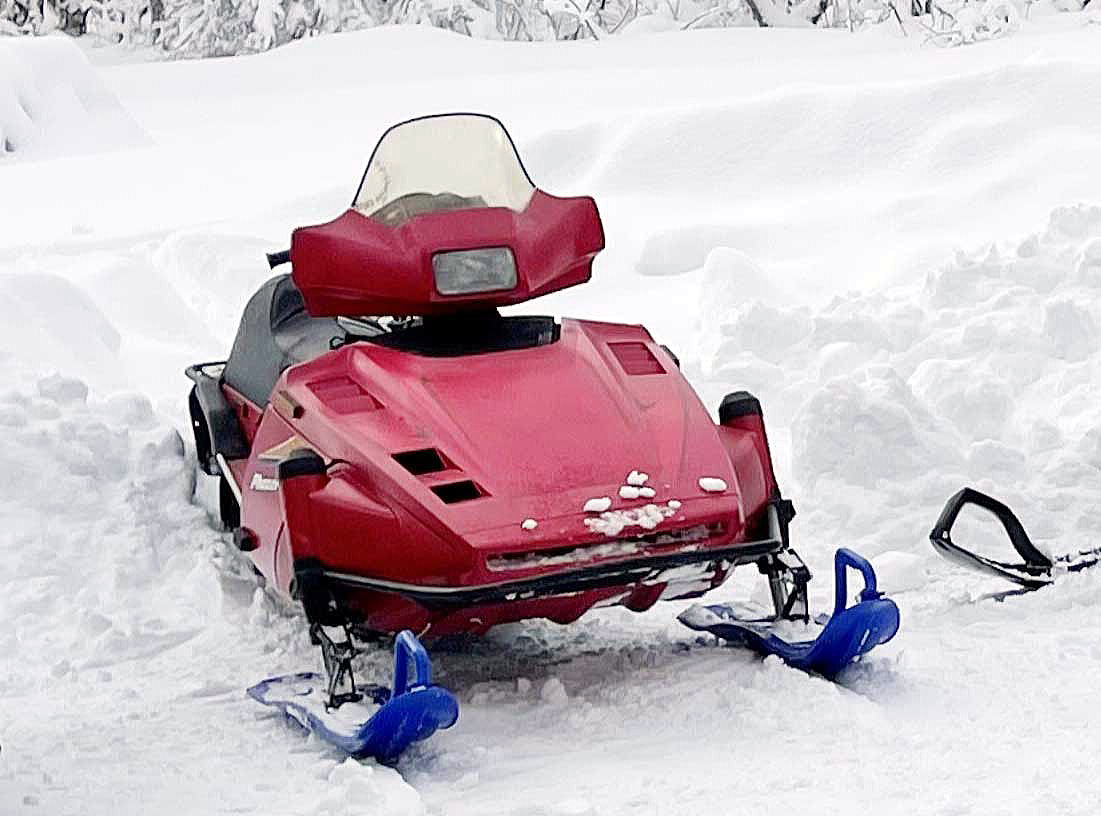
{"points": [[53, 103], [133, 627]]}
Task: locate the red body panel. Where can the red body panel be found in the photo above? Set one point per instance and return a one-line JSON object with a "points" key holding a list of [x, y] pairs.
{"points": [[356, 265], [539, 431]]}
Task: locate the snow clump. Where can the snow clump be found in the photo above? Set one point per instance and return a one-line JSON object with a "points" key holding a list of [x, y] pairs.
{"points": [[597, 505], [712, 484]]}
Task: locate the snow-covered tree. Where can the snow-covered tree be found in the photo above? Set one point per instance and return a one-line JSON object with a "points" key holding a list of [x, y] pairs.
{"points": [[201, 28]]}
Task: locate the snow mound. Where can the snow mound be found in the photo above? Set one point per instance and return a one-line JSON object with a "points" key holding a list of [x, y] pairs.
{"points": [[52, 322], [984, 373], [53, 103], [367, 790], [866, 428], [760, 173], [132, 625]]}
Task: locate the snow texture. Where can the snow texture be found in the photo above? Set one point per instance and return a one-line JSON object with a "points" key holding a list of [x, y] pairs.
{"points": [[890, 254], [614, 522], [53, 103]]}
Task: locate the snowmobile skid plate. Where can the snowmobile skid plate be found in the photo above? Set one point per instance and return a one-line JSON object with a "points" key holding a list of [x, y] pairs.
{"points": [[381, 723], [1036, 569], [851, 631]]}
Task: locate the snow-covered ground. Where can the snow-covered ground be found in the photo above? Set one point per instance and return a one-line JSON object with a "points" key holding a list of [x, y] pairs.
{"points": [[52, 104], [893, 246]]}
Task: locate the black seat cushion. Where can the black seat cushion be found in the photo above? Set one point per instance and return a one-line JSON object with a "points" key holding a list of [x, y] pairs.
{"points": [[276, 332]]}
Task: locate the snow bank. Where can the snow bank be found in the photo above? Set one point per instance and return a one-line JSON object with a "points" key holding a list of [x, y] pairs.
{"points": [[366, 790], [131, 625], [928, 149], [50, 322], [53, 103], [984, 373]]}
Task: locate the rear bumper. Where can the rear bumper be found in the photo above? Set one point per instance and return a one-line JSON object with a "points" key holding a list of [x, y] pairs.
{"points": [[646, 569]]}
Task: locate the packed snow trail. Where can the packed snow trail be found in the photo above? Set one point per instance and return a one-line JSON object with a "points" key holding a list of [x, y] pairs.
{"points": [[133, 626]]}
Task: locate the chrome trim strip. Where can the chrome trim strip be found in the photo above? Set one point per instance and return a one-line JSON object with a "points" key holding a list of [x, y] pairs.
{"points": [[223, 466]]}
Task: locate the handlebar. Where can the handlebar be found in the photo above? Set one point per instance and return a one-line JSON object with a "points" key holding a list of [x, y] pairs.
{"points": [[278, 258]]}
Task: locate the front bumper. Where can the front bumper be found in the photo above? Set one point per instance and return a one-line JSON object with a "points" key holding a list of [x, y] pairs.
{"points": [[645, 569]]}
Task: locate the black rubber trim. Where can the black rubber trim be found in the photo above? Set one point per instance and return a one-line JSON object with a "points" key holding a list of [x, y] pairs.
{"points": [[312, 589], [738, 404], [226, 436], [468, 334], [785, 512], [672, 356], [599, 576], [303, 462]]}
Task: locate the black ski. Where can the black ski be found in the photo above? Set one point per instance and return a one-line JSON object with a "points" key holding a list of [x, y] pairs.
{"points": [[1035, 571]]}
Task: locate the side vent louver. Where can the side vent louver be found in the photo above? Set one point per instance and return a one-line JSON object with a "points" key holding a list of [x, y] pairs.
{"points": [[344, 395], [456, 492], [435, 472], [420, 462], [636, 358]]}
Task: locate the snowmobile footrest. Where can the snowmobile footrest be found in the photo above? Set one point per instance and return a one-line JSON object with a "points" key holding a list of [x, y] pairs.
{"points": [[849, 633], [385, 722]]}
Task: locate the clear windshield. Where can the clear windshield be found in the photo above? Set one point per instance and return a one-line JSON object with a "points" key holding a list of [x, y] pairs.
{"points": [[441, 163]]}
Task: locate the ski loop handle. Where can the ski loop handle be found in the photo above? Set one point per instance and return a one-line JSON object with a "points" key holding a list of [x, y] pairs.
{"points": [[942, 531], [412, 668], [843, 560]]}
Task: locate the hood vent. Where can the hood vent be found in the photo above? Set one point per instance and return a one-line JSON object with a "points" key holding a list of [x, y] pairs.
{"points": [[434, 470], [420, 462], [636, 358], [455, 492]]}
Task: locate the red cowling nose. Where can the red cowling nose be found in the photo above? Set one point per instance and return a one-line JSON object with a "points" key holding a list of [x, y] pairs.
{"points": [[355, 265]]}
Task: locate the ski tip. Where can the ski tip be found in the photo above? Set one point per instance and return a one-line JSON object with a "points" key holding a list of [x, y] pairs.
{"points": [[847, 635], [383, 728]]}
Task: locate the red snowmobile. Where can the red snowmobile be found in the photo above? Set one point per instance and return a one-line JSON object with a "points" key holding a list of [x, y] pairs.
{"points": [[396, 454]]}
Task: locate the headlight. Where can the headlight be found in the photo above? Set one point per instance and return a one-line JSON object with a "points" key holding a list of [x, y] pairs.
{"points": [[471, 271]]}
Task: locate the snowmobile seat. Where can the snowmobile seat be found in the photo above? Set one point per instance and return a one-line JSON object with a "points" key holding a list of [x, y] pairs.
{"points": [[276, 332]]}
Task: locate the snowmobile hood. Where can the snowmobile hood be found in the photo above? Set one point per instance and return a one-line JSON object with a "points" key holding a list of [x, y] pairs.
{"points": [[487, 441]]}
